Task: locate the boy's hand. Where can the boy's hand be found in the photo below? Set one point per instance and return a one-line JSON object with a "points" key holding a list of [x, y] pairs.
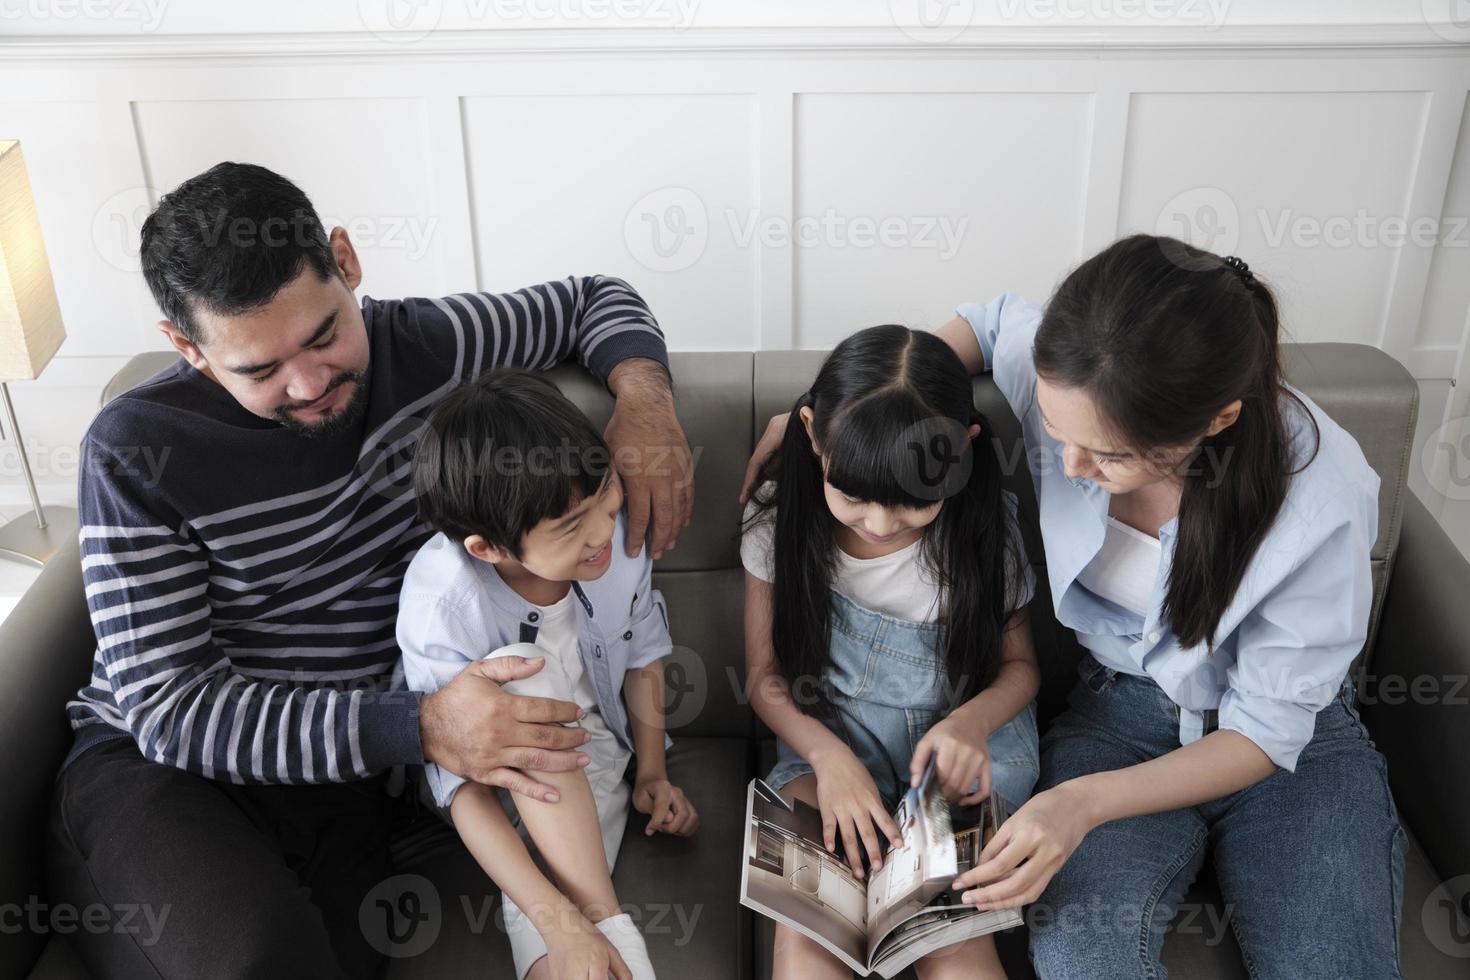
{"points": [[961, 756], [668, 808], [577, 950], [476, 730]]}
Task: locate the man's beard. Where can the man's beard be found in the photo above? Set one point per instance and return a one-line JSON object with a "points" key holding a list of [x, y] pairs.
{"points": [[335, 424]]}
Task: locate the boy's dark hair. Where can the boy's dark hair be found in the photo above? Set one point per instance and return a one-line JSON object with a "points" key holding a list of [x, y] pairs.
{"points": [[227, 241], [502, 453]]}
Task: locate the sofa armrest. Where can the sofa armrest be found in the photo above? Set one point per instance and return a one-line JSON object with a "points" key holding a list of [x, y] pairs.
{"points": [[46, 649], [1415, 697]]}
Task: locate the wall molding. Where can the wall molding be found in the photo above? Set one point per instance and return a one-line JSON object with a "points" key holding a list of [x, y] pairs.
{"points": [[702, 42]]}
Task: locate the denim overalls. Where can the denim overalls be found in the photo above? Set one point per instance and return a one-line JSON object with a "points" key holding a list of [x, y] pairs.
{"points": [[888, 685]]}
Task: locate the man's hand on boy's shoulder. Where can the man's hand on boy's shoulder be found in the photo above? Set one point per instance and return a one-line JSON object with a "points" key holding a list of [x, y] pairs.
{"points": [[474, 729], [651, 454], [668, 809]]}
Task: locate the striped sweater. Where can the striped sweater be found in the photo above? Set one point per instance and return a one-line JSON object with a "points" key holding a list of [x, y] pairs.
{"points": [[243, 579]]}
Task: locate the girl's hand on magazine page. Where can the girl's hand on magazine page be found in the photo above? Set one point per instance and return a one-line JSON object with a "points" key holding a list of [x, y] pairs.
{"points": [[850, 805], [960, 755], [1029, 848]]}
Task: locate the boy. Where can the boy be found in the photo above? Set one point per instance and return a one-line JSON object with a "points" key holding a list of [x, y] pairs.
{"points": [[529, 562]]}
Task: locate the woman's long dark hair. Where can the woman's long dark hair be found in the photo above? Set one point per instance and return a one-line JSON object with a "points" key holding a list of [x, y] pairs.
{"points": [[1162, 336], [891, 408]]}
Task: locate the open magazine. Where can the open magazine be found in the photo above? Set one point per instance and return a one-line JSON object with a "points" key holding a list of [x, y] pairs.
{"points": [[904, 911]]}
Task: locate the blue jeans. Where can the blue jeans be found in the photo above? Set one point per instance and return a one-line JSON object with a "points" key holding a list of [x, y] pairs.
{"points": [[888, 685], [1310, 863]]}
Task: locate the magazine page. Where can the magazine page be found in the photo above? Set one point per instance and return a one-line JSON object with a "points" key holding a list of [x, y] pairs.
{"points": [[921, 867], [945, 920], [789, 876]]}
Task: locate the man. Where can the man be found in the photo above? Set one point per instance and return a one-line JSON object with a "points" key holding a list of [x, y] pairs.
{"points": [[246, 519]]}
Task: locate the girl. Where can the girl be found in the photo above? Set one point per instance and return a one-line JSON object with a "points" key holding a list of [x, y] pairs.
{"points": [[1208, 533], [884, 588]]}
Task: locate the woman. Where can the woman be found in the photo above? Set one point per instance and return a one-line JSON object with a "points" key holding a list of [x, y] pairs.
{"points": [[1207, 533]]}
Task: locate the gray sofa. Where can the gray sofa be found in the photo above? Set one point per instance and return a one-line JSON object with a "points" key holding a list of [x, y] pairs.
{"points": [[685, 890]]}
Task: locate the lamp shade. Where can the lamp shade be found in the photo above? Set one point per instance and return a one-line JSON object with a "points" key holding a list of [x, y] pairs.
{"points": [[30, 318]]}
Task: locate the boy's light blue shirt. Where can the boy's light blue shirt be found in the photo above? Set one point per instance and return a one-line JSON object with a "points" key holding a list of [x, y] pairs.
{"points": [[455, 609], [1301, 612]]}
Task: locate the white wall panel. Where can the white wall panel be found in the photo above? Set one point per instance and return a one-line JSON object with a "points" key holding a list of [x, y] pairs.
{"points": [[907, 204], [640, 186]]}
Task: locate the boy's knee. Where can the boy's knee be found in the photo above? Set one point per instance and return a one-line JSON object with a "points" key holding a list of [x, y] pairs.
{"points": [[548, 682]]}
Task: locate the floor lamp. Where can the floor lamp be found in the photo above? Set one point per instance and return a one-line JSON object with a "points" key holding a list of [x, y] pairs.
{"points": [[30, 333]]}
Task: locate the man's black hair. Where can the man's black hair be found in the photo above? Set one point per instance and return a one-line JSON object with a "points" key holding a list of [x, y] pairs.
{"points": [[227, 241], [502, 453]]}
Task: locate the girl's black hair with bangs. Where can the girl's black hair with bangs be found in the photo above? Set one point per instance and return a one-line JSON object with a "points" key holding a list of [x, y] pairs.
{"points": [[891, 408]]}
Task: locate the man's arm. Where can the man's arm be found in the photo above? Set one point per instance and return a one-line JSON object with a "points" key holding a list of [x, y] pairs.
{"points": [[608, 327], [180, 697]]}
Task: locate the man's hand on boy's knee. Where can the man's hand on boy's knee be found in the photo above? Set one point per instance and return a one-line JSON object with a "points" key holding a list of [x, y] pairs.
{"points": [[475, 729], [651, 453]]}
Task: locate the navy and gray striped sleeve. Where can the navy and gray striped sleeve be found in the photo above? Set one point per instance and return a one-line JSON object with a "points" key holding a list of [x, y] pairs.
{"points": [[600, 319], [146, 586]]}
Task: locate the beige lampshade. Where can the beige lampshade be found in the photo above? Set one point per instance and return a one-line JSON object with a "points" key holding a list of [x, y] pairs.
{"points": [[30, 319]]}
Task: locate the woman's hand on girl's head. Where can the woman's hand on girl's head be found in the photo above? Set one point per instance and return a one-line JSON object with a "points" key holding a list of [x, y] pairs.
{"points": [[770, 441], [1015, 867], [851, 806], [961, 756]]}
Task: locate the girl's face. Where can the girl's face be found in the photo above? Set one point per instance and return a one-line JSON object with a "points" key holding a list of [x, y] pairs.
{"points": [[895, 527], [876, 524], [1072, 419]]}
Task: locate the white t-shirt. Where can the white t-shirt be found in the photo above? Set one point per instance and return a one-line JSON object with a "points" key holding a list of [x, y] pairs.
{"points": [[897, 585], [558, 637], [1125, 568]]}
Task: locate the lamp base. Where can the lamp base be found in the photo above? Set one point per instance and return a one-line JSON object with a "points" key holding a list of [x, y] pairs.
{"points": [[21, 540]]}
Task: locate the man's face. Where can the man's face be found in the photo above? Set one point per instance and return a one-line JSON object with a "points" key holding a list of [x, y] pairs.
{"points": [[300, 360]]}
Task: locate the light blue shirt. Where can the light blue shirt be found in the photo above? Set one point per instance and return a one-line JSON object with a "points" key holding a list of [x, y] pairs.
{"points": [[1300, 615], [455, 609]]}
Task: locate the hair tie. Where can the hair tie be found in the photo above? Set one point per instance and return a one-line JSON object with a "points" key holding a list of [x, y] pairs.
{"points": [[1241, 269]]}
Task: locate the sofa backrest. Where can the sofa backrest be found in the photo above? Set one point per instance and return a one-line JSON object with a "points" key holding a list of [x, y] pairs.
{"points": [[724, 400], [1363, 389]]}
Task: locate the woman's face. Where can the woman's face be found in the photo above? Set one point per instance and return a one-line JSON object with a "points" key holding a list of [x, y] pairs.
{"points": [[1088, 452]]}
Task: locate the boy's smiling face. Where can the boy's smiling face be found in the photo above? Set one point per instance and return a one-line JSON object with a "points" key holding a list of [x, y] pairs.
{"points": [[575, 547]]}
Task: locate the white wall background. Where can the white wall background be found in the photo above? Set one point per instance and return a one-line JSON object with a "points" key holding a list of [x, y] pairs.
{"points": [[770, 174]]}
